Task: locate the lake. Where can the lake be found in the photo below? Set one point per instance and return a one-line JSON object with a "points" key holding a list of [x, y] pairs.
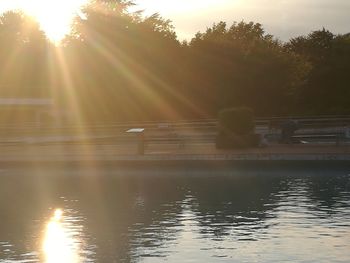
{"points": [[234, 213]]}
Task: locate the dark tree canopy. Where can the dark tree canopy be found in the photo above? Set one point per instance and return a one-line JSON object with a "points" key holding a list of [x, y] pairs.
{"points": [[118, 65], [244, 66], [327, 89], [23, 50]]}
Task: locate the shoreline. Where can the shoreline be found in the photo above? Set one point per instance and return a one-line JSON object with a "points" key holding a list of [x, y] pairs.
{"points": [[226, 157], [204, 155], [227, 160]]}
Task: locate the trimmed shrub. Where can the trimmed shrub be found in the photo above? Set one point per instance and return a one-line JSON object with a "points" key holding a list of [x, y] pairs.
{"points": [[239, 121], [237, 141], [236, 129]]}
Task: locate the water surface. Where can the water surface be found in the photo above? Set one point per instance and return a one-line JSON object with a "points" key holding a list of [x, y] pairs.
{"points": [[175, 215]]}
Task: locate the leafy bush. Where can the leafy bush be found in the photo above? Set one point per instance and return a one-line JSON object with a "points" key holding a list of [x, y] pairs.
{"points": [[236, 129], [239, 121]]}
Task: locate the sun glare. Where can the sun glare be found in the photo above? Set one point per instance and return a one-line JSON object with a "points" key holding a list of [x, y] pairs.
{"points": [[58, 245], [55, 17]]}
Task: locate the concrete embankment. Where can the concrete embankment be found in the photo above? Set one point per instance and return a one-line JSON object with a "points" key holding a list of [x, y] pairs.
{"points": [[170, 154]]}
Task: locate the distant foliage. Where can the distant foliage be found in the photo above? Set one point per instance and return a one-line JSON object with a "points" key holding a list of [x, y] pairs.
{"points": [[23, 57], [119, 65], [241, 65], [326, 89]]}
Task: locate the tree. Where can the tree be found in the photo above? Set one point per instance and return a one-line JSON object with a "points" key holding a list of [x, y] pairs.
{"points": [[132, 67], [128, 60], [244, 66], [326, 90], [23, 49]]}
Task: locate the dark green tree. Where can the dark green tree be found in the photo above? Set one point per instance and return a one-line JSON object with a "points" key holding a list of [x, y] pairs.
{"points": [[326, 90], [120, 65], [129, 60], [241, 65]]}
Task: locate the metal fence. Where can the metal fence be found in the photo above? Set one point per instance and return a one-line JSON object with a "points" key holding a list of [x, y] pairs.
{"points": [[189, 130]]}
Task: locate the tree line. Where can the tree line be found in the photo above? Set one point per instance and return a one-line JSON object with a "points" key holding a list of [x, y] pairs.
{"points": [[118, 65]]}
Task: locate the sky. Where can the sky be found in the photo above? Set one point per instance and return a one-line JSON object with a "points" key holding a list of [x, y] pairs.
{"points": [[282, 18]]}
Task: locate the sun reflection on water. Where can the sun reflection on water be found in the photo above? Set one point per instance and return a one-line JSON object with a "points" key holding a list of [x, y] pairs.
{"points": [[59, 245]]}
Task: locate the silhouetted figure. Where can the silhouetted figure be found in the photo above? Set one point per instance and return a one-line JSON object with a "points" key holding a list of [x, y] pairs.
{"points": [[288, 128], [347, 132]]}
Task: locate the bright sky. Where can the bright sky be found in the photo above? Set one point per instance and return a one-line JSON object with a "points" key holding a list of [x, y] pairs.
{"points": [[54, 16], [282, 18]]}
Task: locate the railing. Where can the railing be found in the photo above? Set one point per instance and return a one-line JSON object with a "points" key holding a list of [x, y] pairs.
{"points": [[191, 130], [308, 121]]}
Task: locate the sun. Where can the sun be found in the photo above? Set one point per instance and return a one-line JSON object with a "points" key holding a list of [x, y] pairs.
{"points": [[55, 17]]}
